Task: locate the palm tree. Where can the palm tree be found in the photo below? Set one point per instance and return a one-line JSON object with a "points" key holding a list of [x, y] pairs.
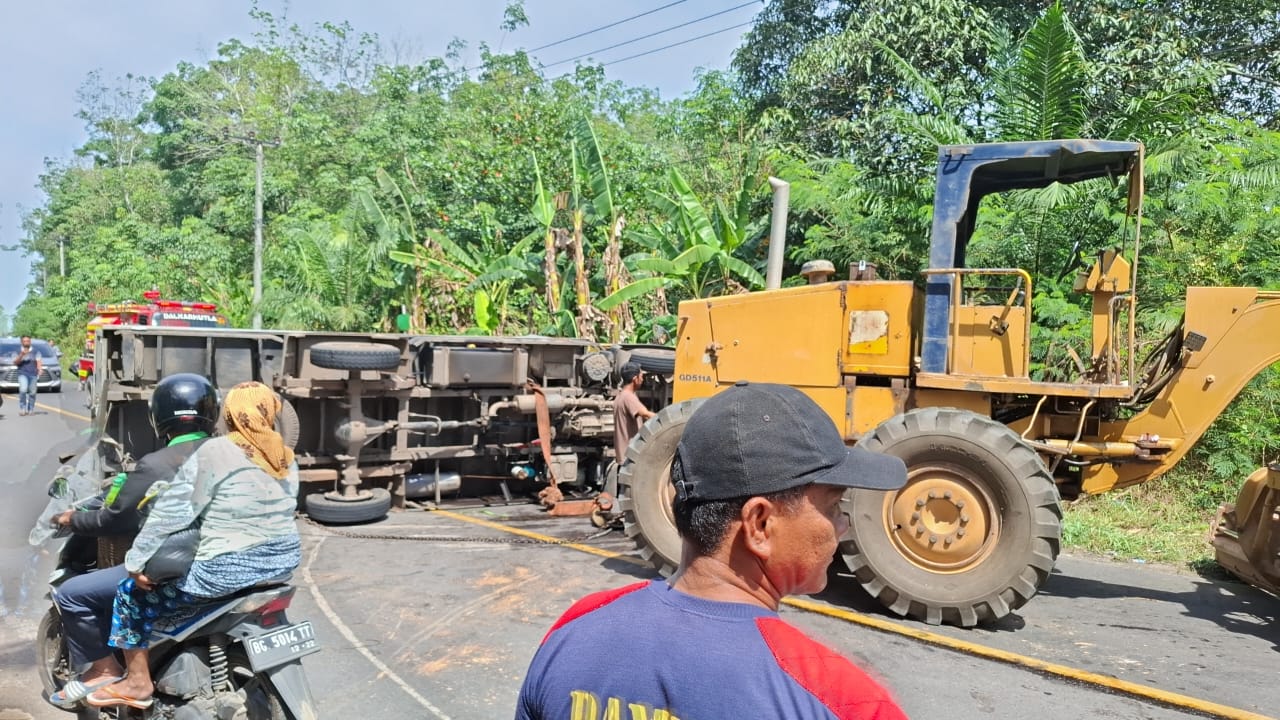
{"points": [[331, 279]]}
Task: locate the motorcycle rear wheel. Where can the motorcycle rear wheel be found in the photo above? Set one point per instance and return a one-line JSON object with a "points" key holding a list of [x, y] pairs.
{"points": [[262, 701]]}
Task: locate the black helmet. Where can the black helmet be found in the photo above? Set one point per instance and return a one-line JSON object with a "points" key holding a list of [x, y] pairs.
{"points": [[183, 403]]}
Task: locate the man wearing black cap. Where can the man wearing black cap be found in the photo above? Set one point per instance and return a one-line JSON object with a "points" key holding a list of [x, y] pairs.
{"points": [[759, 473], [629, 412]]}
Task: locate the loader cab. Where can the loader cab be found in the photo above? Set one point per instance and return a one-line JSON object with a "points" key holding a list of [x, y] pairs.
{"points": [[965, 340]]}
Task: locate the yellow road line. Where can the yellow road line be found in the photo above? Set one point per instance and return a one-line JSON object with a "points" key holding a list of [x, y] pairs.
{"points": [[1084, 676], [68, 413], [58, 410], [539, 536], [990, 653]]}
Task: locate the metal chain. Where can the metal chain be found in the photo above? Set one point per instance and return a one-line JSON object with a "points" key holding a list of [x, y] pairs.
{"points": [[458, 538]]}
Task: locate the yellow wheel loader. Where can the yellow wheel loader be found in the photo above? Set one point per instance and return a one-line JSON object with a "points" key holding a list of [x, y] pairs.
{"points": [[938, 374]]}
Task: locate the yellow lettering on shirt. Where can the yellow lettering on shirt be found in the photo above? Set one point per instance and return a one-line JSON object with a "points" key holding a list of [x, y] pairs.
{"points": [[585, 705]]}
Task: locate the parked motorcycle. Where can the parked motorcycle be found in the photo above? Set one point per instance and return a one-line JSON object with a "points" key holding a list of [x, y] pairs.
{"points": [[236, 659]]}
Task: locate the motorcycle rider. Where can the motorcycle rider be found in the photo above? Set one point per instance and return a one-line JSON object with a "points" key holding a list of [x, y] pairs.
{"points": [[183, 410]]}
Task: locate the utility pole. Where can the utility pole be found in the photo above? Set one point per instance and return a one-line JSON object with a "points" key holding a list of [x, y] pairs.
{"points": [[258, 143], [62, 257]]}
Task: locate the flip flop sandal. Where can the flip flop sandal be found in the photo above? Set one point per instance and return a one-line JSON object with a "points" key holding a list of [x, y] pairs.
{"points": [[74, 691], [106, 697]]}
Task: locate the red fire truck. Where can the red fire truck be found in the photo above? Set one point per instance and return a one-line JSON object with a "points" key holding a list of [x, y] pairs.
{"points": [[151, 311]]}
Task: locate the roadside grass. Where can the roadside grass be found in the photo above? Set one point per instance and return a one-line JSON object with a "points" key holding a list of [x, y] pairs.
{"points": [[1157, 522]]}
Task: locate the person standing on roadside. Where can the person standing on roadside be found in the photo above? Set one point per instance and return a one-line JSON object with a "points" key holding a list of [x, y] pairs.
{"points": [[29, 367], [758, 475], [629, 412]]}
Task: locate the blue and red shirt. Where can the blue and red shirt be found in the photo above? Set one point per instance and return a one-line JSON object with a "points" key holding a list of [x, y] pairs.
{"points": [[650, 652]]}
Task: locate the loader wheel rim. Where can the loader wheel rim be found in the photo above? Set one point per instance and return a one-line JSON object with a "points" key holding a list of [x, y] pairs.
{"points": [[942, 520]]}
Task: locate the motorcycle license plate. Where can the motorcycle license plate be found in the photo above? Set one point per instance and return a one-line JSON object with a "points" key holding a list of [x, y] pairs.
{"points": [[280, 646]]}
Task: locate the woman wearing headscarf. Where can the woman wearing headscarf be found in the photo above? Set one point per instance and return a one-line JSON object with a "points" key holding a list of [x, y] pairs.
{"points": [[242, 488]]}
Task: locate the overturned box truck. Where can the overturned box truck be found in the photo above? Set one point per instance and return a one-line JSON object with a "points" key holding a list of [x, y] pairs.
{"points": [[378, 418]]}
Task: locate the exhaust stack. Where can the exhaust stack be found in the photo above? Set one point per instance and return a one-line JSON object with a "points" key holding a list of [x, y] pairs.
{"points": [[777, 233]]}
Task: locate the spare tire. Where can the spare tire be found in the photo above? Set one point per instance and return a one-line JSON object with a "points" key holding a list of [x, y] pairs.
{"points": [[325, 509], [355, 356], [658, 361]]}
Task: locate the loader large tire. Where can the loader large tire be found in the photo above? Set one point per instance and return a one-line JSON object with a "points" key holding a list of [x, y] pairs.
{"points": [[645, 490], [972, 535]]}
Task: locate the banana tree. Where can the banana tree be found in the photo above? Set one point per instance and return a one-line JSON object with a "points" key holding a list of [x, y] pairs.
{"points": [[393, 230], [543, 210], [488, 270], [589, 169], [695, 252]]}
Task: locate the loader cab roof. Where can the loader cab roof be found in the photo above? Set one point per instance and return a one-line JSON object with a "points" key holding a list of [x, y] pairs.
{"points": [[968, 173]]}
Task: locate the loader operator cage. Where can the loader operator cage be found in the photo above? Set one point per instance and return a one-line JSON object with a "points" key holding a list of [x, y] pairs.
{"points": [[967, 173]]}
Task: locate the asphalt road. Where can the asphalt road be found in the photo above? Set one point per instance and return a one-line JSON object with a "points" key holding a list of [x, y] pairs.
{"points": [[439, 614]]}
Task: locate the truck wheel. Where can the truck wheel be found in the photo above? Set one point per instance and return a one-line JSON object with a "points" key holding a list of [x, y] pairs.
{"points": [[324, 508], [288, 425], [645, 490], [355, 356], [972, 535]]}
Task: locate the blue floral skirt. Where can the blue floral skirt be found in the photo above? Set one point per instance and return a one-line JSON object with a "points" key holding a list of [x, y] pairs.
{"points": [[208, 581], [136, 610]]}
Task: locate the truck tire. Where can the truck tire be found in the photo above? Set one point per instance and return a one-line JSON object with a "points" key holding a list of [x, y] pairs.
{"points": [[355, 356], [288, 425], [973, 534], [326, 510], [657, 361], [645, 490]]}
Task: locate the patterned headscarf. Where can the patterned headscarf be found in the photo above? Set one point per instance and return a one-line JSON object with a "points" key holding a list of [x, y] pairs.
{"points": [[250, 413]]}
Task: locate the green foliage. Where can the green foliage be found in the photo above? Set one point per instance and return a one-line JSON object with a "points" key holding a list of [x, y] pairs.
{"points": [[697, 251], [1042, 91], [1122, 526], [430, 192]]}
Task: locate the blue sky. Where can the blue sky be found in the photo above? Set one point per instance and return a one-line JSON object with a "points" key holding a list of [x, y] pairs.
{"points": [[47, 49]]}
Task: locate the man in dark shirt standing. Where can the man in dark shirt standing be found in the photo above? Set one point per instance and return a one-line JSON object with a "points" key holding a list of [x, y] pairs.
{"points": [[29, 367], [629, 412]]}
